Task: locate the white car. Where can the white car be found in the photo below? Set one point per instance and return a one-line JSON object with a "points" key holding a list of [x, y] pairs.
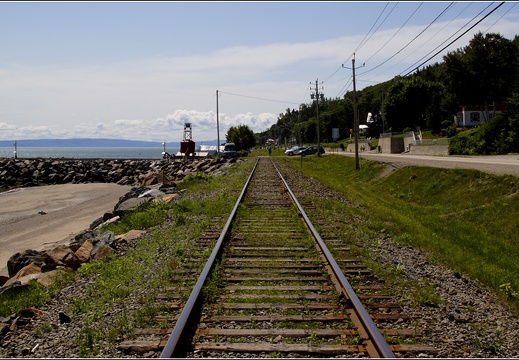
{"points": [[297, 150]]}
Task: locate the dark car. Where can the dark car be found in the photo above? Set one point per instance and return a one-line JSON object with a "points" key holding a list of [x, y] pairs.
{"points": [[229, 150], [312, 150]]}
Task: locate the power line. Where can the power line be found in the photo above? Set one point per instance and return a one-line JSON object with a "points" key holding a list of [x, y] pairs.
{"points": [[428, 40], [401, 27], [500, 18], [487, 15], [410, 42], [362, 42], [412, 66], [257, 98], [345, 87]]}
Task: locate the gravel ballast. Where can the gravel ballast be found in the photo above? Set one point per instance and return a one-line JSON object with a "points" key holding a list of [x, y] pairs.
{"points": [[469, 322]]}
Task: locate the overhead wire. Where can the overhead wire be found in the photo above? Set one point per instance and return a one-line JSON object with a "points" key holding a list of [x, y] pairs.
{"points": [[361, 43], [258, 98], [342, 90], [452, 42], [428, 40], [423, 57], [490, 27], [366, 38], [410, 42], [401, 27], [345, 87]]}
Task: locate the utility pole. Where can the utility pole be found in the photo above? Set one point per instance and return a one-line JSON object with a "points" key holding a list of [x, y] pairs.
{"points": [[299, 127], [355, 115], [316, 97], [217, 128]]}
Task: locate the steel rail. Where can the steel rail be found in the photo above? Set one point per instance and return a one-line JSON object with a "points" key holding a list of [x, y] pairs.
{"points": [[379, 343], [171, 346]]}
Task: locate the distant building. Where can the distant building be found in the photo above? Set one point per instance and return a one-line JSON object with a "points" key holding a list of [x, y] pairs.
{"points": [[474, 115], [363, 129]]}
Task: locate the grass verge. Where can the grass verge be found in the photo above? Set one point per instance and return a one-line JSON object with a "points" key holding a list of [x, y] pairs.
{"points": [[466, 219]]}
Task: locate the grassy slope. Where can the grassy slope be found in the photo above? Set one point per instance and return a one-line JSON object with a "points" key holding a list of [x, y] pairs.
{"points": [[466, 219]]}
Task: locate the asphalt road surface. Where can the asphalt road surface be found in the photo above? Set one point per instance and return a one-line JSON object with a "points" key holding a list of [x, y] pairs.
{"points": [[495, 164]]}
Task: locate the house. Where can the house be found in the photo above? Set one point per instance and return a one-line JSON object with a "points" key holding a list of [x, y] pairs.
{"points": [[476, 115]]}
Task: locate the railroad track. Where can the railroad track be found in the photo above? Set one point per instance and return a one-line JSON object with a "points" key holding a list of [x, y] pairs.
{"points": [[271, 287]]}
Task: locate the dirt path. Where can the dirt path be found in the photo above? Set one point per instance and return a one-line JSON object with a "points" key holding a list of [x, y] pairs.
{"points": [[42, 217]]}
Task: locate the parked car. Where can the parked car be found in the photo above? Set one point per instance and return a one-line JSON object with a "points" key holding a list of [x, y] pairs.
{"points": [[229, 150], [296, 150], [312, 150]]}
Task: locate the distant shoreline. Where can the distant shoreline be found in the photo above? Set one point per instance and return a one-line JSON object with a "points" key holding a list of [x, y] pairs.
{"points": [[93, 143]]}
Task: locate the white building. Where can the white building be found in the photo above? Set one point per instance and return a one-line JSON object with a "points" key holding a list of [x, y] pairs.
{"points": [[475, 115]]}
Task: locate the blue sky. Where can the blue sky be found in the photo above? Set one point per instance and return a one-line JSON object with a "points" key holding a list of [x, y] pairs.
{"points": [[140, 70]]}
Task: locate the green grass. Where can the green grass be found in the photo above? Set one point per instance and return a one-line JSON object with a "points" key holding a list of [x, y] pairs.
{"points": [[145, 269], [148, 268], [465, 219], [32, 296]]}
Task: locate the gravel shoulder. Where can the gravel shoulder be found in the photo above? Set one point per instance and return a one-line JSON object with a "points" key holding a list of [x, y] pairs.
{"points": [[42, 217]]}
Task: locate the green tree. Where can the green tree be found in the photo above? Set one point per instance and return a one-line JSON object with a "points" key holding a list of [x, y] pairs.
{"points": [[407, 103], [484, 71], [242, 136]]}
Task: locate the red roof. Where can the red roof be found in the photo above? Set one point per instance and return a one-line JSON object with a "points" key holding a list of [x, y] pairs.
{"points": [[498, 107]]}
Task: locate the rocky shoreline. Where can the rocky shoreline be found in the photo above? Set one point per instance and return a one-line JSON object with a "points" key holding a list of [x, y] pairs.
{"points": [[153, 180], [47, 171]]}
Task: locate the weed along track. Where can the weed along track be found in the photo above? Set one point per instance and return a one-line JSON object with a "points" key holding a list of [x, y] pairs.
{"points": [[271, 288]]}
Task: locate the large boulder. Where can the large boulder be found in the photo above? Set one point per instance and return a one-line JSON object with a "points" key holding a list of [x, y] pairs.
{"points": [[102, 252], [129, 236], [83, 253], [27, 273], [45, 279], [21, 260], [131, 204], [64, 256], [106, 239], [15, 287]]}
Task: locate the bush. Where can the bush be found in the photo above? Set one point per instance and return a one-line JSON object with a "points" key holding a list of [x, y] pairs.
{"points": [[242, 153]]}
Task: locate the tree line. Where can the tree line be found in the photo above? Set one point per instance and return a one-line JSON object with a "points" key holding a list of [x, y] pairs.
{"points": [[482, 74]]}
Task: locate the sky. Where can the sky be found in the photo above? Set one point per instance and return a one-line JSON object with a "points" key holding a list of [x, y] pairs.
{"points": [[141, 70]]}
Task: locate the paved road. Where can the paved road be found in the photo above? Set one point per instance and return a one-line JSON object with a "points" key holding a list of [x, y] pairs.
{"points": [[496, 164], [42, 217]]}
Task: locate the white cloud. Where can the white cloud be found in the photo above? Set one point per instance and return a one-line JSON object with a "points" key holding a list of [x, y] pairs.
{"points": [[152, 99], [169, 128]]}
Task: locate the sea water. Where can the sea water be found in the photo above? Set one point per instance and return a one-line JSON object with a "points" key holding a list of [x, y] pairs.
{"points": [[86, 152]]}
